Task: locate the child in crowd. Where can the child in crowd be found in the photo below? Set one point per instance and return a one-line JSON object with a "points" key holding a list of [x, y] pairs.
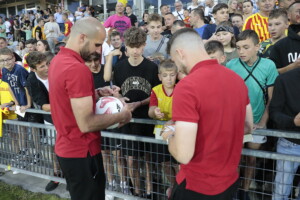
{"points": [[160, 108], [155, 43], [136, 76], [277, 24], [237, 20], [186, 20], [15, 75], [259, 75], [215, 50], [220, 14], [225, 34], [112, 54]]}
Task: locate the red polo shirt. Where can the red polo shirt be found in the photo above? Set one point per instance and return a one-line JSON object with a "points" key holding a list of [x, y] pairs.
{"points": [[70, 78], [215, 98]]}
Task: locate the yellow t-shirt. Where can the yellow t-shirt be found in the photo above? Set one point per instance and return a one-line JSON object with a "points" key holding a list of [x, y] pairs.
{"points": [[5, 97], [164, 102]]}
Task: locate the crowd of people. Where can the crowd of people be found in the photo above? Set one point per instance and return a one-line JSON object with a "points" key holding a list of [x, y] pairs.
{"points": [[144, 63]]}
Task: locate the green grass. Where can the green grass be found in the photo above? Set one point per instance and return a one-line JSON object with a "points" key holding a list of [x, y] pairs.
{"points": [[12, 192]]}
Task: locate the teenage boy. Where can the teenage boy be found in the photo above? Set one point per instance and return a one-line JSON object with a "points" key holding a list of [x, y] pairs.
{"points": [[160, 108], [259, 21], [277, 25], [38, 30], [132, 17], [215, 50], [16, 76], [68, 24], [163, 11], [38, 86], [220, 14], [237, 20], [259, 75], [285, 52], [113, 54], [169, 20], [155, 43], [285, 113], [136, 76]]}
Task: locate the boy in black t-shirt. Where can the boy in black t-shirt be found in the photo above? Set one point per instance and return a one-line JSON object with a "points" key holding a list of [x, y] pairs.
{"points": [[136, 76]]}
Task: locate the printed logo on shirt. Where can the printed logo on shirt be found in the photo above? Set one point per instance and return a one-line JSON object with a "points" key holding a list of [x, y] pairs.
{"points": [[121, 26], [13, 82], [136, 83], [292, 57]]}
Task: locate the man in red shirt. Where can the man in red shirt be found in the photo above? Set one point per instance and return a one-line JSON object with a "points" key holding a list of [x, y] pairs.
{"points": [[210, 108], [73, 99]]}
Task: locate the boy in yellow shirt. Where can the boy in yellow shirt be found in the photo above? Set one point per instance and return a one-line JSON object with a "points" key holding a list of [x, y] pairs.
{"points": [[160, 108]]}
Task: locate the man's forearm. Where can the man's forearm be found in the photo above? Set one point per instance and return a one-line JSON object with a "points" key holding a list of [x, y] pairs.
{"points": [[287, 68], [100, 122]]}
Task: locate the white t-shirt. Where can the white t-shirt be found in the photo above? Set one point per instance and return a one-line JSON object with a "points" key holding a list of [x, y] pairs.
{"points": [[179, 14], [78, 15], [45, 82], [7, 25], [106, 49], [192, 7]]}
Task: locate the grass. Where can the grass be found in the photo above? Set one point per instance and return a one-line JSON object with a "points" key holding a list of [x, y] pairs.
{"points": [[12, 192]]}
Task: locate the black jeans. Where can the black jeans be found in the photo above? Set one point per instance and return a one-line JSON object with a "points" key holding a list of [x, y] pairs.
{"points": [[85, 177], [179, 192]]}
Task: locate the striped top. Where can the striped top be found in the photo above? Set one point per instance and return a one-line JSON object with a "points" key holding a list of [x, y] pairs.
{"points": [[259, 24]]}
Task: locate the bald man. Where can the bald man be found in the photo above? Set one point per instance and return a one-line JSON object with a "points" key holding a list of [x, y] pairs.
{"points": [[118, 21], [73, 100], [207, 137]]}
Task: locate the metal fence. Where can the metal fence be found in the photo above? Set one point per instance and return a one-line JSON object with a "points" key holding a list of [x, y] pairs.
{"points": [[142, 166]]}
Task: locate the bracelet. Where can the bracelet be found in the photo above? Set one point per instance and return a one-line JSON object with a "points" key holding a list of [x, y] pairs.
{"points": [[169, 136]]}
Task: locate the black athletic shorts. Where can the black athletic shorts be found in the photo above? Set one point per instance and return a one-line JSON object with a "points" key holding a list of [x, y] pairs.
{"points": [[179, 192], [84, 176], [136, 148]]}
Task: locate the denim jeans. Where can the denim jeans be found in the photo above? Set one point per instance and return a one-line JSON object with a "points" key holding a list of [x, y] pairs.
{"points": [[285, 170]]}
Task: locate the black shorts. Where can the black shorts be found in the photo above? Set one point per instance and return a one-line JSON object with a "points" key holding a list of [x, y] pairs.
{"points": [[110, 143], [136, 148], [84, 176], [179, 192]]}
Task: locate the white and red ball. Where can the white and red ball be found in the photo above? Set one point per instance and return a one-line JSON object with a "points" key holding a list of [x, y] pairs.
{"points": [[109, 105]]}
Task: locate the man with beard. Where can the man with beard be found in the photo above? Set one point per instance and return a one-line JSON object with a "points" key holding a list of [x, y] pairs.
{"points": [[206, 135], [73, 100]]}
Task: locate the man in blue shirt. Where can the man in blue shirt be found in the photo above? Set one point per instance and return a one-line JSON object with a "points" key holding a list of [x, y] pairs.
{"points": [[197, 21]]}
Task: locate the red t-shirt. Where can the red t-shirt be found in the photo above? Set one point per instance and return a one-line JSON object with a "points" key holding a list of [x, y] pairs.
{"points": [[70, 78], [215, 98], [68, 26]]}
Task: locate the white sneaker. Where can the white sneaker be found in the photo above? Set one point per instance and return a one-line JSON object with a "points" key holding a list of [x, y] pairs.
{"points": [[15, 172]]}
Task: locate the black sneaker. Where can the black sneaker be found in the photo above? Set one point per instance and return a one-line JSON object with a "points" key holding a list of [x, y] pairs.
{"points": [[52, 185]]}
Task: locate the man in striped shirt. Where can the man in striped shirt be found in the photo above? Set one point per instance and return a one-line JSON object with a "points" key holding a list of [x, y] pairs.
{"points": [[259, 21]]}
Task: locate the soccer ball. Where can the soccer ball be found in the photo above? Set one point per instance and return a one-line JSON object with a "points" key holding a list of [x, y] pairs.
{"points": [[109, 105]]}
